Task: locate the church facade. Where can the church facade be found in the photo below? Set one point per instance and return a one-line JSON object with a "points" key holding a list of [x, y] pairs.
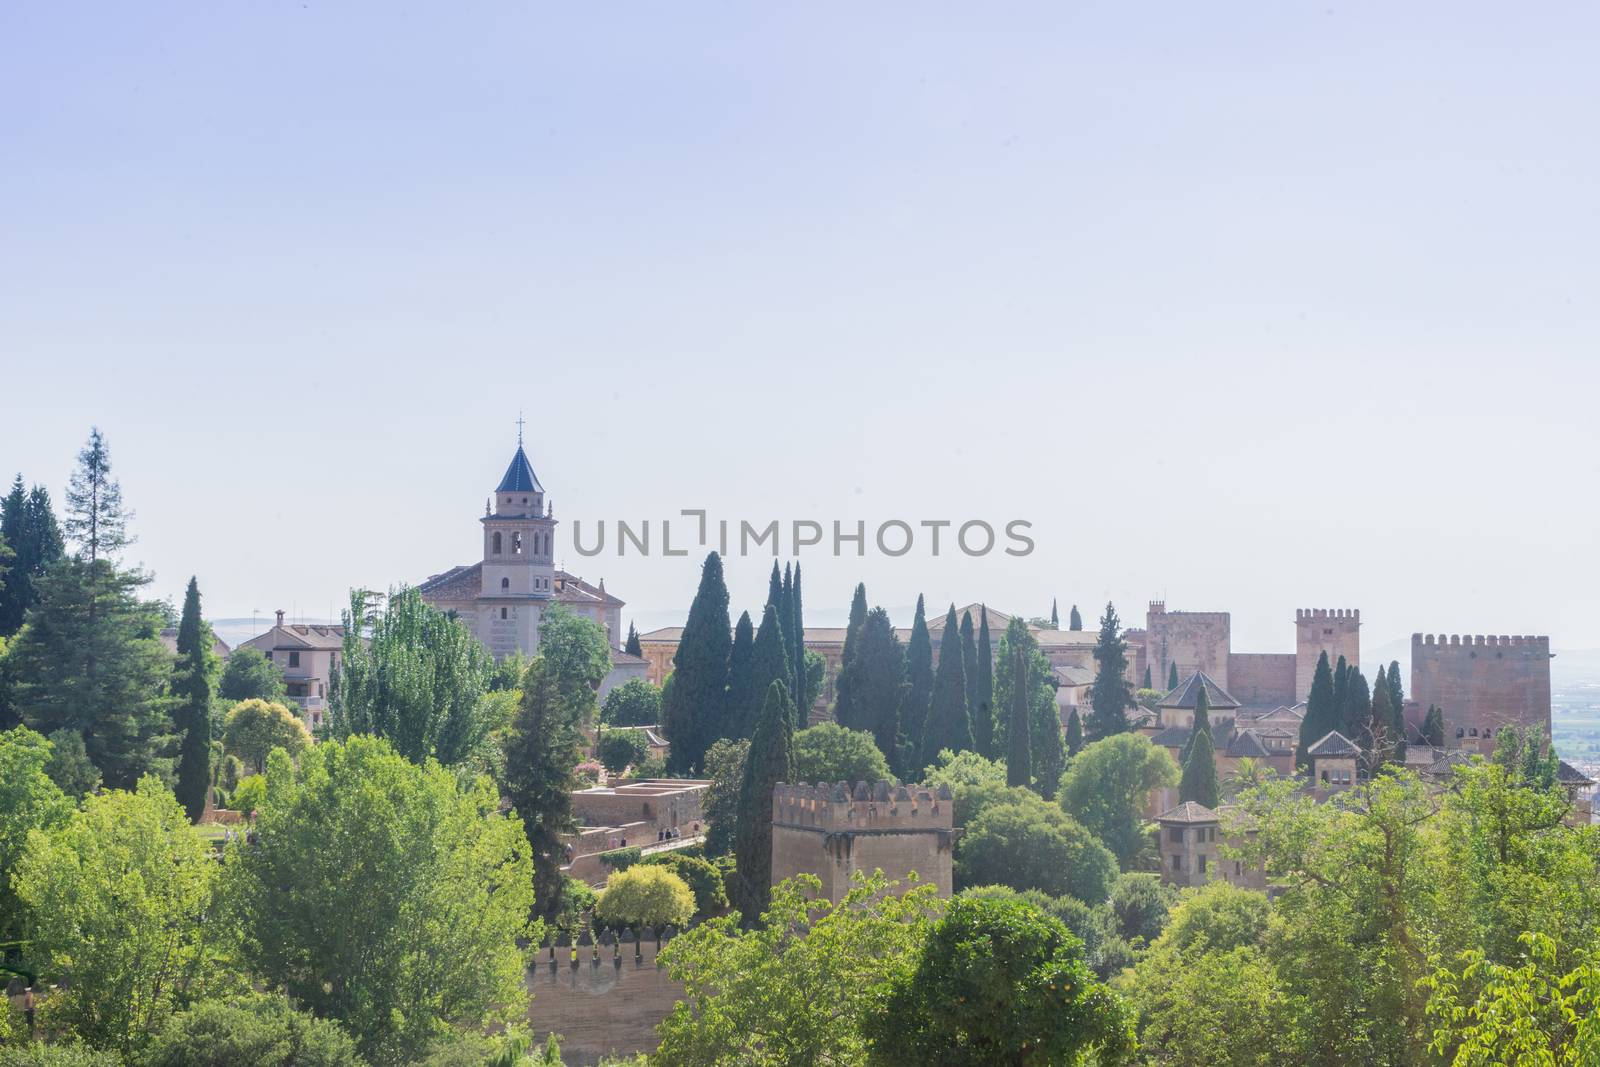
{"points": [[504, 597]]}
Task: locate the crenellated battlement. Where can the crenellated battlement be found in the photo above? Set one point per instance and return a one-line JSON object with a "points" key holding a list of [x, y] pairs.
{"points": [[1472, 642], [1310, 614], [1157, 607], [839, 808]]}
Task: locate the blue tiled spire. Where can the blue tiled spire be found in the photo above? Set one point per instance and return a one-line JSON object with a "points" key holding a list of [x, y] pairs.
{"points": [[519, 476]]}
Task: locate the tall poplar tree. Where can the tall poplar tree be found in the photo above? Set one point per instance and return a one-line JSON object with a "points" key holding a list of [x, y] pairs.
{"points": [[1111, 694], [96, 517], [843, 698], [1019, 748], [694, 709], [541, 750], [1075, 621], [770, 761], [948, 725], [1322, 714], [770, 658], [743, 708], [191, 685], [983, 710]]}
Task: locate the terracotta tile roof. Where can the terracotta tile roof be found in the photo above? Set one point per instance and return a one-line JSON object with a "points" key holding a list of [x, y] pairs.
{"points": [[1189, 812], [1187, 694], [1333, 744]]}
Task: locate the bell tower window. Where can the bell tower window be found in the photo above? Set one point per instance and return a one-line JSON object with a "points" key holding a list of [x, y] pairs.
{"points": [[516, 543], [497, 542], [505, 584]]}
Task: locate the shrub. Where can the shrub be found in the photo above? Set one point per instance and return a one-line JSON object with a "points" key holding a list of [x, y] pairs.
{"points": [[827, 752], [701, 876], [646, 896], [263, 1031], [620, 859]]}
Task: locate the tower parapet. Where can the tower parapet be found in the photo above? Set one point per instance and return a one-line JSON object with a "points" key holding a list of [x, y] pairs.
{"points": [[1481, 682], [1336, 631], [834, 830]]}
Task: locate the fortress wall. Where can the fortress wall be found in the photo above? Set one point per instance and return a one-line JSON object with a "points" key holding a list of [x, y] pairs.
{"points": [[1262, 679], [1481, 681], [601, 1006], [1194, 640]]}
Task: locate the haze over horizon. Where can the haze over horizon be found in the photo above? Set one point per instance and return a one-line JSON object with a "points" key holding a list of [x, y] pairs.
{"points": [[1246, 309]]}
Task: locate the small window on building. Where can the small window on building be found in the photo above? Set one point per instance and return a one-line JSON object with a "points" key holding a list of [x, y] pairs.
{"points": [[502, 613], [1238, 869], [1461, 731], [524, 500], [505, 583], [294, 659], [516, 543], [1175, 835], [1200, 863], [268, 656], [1177, 863], [497, 542]]}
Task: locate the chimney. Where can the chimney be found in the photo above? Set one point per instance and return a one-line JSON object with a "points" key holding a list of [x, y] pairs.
{"points": [[280, 616]]}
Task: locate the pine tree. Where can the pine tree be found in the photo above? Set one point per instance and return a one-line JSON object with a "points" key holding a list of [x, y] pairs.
{"points": [[769, 656], [948, 726], [1172, 677], [694, 710], [880, 666], [1074, 734], [1075, 621], [919, 691], [1199, 781], [1019, 754], [633, 648], [1147, 682], [1321, 712], [770, 761], [969, 673], [28, 526], [96, 518], [1111, 695], [191, 685], [1055, 618], [541, 750], [1433, 726], [843, 699], [983, 710], [743, 709]]}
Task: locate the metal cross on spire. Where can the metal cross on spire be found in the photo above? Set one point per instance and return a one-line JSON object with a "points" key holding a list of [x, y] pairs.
{"points": [[519, 428]]}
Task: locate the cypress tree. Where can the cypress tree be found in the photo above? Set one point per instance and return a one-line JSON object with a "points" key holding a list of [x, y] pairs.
{"points": [[843, 698], [969, 672], [191, 685], [1111, 694], [770, 657], [1044, 716], [1202, 723], [1397, 693], [694, 710], [770, 761], [742, 691], [1341, 694], [1199, 781], [795, 625], [1321, 712], [1172, 677], [983, 712], [1075, 621], [1019, 751], [880, 682], [919, 690], [1074, 734], [786, 620], [775, 590], [1055, 619], [1357, 716], [1433, 726], [633, 648], [1147, 682], [1384, 740], [948, 726]]}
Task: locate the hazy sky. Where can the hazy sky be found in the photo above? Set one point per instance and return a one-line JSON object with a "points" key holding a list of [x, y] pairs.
{"points": [[1253, 307]]}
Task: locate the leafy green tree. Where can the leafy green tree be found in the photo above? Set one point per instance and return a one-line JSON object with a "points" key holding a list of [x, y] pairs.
{"points": [[578, 655], [70, 766], [769, 661], [1095, 925], [878, 680], [919, 691], [828, 752], [418, 681], [1112, 695], [1172, 676], [795, 988], [249, 675], [700, 875], [983, 702], [724, 767], [769, 761], [1074, 734], [39, 1054], [999, 981], [96, 517], [1141, 904], [386, 895], [1433, 726], [632, 647], [254, 728], [90, 660], [633, 703], [1030, 844], [1322, 713], [29, 801], [975, 781], [743, 708], [192, 686], [645, 897], [1076, 622], [1019, 752], [845, 700], [259, 1030], [620, 749], [947, 725], [115, 897], [695, 712], [28, 526], [1107, 786], [541, 750]]}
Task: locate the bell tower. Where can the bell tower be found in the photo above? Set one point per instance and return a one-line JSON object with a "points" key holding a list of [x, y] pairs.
{"points": [[519, 535]]}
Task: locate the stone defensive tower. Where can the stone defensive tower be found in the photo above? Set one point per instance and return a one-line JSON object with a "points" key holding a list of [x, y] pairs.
{"points": [[832, 831], [1336, 631], [1194, 640], [1482, 683]]}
